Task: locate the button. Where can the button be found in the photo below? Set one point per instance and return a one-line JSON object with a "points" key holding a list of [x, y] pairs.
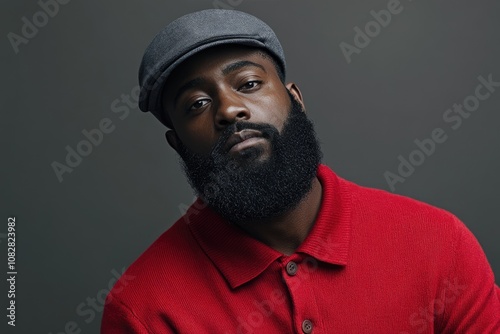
{"points": [[291, 268], [307, 326]]}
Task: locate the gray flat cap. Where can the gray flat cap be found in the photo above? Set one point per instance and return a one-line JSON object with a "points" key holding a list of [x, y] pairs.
{"points": [[193, 33]]}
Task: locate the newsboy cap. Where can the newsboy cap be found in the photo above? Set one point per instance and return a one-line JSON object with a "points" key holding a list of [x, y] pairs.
{"points": [[191, 34]]}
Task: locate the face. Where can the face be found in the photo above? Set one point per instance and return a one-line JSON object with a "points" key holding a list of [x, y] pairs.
{"points": [[249, 152], [220, 86]]}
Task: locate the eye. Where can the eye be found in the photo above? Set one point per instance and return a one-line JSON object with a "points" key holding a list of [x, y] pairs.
{"points": [[199, 104], [250, 85]]}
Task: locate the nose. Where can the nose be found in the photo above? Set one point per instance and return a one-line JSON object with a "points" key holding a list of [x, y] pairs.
{"points": [[231, 108]]}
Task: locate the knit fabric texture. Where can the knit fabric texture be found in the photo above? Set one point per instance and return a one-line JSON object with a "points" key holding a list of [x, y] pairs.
{"points": [[374, 262]]}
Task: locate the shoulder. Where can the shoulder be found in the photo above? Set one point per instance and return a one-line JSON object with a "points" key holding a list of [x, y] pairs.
{"points": [[161, 269], [399, 223], [430, 249], [393, 207]]}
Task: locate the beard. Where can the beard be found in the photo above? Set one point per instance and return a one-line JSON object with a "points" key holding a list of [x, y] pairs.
{"points": [[245, 189]]}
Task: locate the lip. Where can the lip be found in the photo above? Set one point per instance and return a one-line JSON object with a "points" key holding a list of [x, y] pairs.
{"points": [[246, 144], [243, 139]]}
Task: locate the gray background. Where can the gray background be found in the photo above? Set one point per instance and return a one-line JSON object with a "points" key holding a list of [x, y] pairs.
{"points": [[72, 234]]}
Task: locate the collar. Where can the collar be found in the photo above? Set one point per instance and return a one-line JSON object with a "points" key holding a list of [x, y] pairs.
{"points": [[241, 258]]}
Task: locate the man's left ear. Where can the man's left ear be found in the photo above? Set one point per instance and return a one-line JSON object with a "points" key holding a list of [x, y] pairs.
{"points": [[295, 91]]}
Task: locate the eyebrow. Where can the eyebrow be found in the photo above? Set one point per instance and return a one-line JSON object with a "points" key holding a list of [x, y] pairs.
{"points": [[240, 64]]}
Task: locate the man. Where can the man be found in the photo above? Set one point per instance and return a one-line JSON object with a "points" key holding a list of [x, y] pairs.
{"points": [[276, 241]]}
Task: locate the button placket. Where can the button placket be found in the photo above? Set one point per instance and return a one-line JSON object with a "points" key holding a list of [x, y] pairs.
{"points": [[299, 287]]}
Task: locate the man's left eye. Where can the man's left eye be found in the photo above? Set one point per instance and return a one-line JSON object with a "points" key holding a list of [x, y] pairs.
{"points": [[250, 84]]}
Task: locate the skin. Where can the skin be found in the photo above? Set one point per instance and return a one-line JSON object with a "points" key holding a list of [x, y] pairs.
{"points": [[214, 89]]}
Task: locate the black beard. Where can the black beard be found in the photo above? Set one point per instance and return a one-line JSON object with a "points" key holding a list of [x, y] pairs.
{"points": [[245, 190]]}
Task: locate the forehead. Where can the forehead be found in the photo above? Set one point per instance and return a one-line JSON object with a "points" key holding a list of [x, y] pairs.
{"points": [[214, 60]]}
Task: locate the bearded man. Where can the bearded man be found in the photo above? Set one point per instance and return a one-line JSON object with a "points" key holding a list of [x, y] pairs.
{"points": [[277, 242]]}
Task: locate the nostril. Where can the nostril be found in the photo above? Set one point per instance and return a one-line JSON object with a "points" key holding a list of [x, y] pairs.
{"points": [[241, 114]]}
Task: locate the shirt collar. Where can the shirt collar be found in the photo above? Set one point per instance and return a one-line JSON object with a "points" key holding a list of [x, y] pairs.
{"points": [[240, 258]]}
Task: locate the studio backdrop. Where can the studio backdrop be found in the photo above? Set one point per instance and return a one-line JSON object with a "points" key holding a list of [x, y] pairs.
{"points": [[405, 97]]}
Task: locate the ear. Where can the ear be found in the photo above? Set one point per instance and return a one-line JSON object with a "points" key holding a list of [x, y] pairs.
{"points": [[172, 139], [295, 91]]}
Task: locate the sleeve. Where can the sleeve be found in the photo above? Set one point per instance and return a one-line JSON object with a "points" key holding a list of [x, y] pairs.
{"points": [[471, 298], [117, 318]]}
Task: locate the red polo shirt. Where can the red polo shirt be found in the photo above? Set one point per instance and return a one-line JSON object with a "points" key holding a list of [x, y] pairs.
{"points": [[374, 262]]}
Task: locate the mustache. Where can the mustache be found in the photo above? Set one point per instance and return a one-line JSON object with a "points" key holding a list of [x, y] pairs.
{"points": [[268, 131]]}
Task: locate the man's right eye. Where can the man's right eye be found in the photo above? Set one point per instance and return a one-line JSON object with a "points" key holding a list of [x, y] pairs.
{"points": [[199, 104]]}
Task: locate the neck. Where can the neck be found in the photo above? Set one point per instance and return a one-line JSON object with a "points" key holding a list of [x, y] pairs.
{"points": [[286, 232]]}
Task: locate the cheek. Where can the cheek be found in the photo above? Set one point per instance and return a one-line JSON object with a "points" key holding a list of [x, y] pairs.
{"points": [[272, 109], [194, 133], [198, 138]]}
